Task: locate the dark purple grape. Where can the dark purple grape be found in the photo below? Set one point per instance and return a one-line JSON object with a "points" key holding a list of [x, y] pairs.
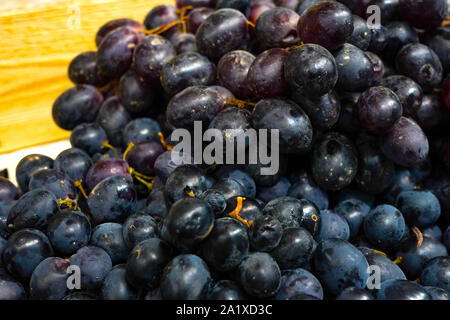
{"points": [[232, 71], [33, 210], [375, 170], [182, 179], [265, 77], [440, 44], [28, 165], [354, 68], [83, 69], [105, 168], [295, 129], [408, 92], [240, 5], [25, 249], [74, 162], [378, 39], [10, 288], [8, 191], [139, 130], [259, 275], [112, 200], [184, 42], [223, 31], [113, 25], [361, 35], [329, 24], [160, 16], [405, 143], [115, 53], [150, 55], [76, 105], [424, 14], [54, 181], [68, 231], [277, 28], [334, 161], [197, 103], [190, 220], [88, 137], [143, 155], [229, 119], [430, 113], [185, 70], [311, 70], [135, 94], [398, 34], [421, 64], [379, 109], [323, 111], [113, 117], [257, 9]]}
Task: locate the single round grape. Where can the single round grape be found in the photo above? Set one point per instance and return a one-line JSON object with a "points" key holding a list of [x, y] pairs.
{"points": [[430, 113], [139, 130], [113, 117], [232, 71], [405, 143], [88, 137], [277, 28], [196, 103], [265, 77], [354, 68], [83, 69], [329, 24], [311, 70], [106, 168], [160, 16], [135, 94], [335, 161], [115, 53], [76, 105], [143, 155], [421, 64], [150, 55], [113, 25], [185, 70], [295, 129], [74, 162], [28, 165], [223, 31], [323, 111], [379, 109]]}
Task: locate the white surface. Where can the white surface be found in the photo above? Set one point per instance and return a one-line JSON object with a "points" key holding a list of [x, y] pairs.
{"points": [[10, 160]]}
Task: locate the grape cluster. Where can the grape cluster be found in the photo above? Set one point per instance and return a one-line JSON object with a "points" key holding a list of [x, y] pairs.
{"points": [[363, 113]]}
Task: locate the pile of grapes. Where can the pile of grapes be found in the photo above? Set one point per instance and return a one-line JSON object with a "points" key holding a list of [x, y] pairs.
{"points": [[359, 208]]}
